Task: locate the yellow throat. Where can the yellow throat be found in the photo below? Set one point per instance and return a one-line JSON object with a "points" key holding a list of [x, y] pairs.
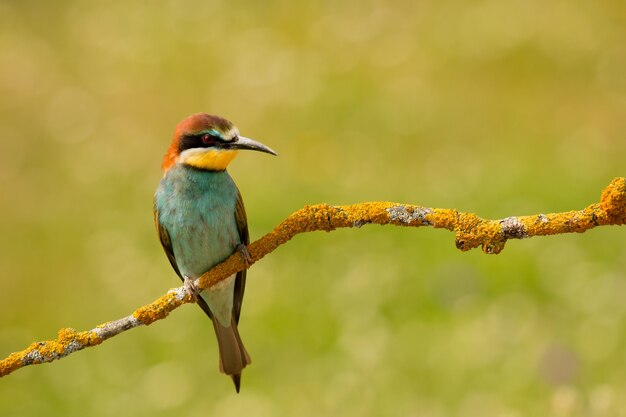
{"points": [[210, 159]]}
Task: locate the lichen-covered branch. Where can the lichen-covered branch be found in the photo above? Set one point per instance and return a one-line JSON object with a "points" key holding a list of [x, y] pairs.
{"points": [[471, 231]]}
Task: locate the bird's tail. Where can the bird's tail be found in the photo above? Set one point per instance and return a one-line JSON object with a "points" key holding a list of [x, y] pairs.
{"points": [[233, 355]]}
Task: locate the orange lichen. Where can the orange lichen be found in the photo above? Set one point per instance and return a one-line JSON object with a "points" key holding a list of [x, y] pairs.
{"points": [[68, 341], [160, 308], [444, 218], [613, 201], [471, 232], [11, 363]]}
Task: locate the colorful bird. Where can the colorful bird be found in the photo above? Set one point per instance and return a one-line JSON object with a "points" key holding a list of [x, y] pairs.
{"points": [[201, 220]]}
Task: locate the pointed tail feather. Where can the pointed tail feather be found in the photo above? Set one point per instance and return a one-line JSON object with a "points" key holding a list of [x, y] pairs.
{"points": [[233, 355]]}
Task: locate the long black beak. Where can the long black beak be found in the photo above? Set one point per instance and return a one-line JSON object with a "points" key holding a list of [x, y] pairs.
{"points": [[253, 145]]}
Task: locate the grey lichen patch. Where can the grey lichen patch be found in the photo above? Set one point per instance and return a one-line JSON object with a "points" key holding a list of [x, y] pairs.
{"points": [[179, 293], [542, 218], [73, 346], [133, 322], [410, 215], [111, 328], [100, 331], [34, 357], [513, 228]]}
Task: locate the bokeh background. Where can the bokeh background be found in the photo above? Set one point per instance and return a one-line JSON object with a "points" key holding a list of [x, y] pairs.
{"points": [[500, 108]]}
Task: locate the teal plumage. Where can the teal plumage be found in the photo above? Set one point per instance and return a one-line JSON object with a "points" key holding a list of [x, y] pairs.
{"points": [[201, 221], [197, 208]]}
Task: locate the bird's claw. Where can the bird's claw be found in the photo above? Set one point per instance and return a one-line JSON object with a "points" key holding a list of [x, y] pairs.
{"points": [[245, 254], [191, 288]]}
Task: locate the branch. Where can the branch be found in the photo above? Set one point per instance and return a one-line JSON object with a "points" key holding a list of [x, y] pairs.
{"points": [[471, 231]]}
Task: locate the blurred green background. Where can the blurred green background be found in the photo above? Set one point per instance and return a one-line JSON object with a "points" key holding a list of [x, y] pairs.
{"points": [[500, 108]]}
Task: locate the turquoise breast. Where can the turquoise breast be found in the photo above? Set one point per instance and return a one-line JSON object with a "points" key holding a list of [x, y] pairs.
{"points": [[197, 208]]}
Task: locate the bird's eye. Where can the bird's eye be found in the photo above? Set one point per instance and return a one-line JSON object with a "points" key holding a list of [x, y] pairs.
{"points": [[208, 139]]}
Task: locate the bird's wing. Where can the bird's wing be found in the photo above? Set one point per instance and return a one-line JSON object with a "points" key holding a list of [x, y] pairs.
{"points": [[164, 237], [240, 281]]}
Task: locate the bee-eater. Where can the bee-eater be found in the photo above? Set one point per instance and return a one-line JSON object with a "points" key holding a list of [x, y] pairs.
{"points": [[201, 220]]}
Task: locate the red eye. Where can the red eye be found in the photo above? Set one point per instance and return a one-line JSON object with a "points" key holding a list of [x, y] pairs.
{"points": [[207, 139]]}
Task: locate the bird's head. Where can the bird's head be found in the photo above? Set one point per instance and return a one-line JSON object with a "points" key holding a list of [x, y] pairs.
{"points": [[207, 142]]}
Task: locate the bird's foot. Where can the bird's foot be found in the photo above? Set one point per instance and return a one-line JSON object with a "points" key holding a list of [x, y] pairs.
{"points": [[191, 288], [245, 254]]}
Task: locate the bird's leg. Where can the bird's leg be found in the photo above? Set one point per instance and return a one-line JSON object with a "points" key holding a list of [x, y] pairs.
{"points": [[243, 250], [191, 288]]}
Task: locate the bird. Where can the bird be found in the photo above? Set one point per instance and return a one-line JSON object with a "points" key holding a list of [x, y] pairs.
{"points": [[201, 220]]}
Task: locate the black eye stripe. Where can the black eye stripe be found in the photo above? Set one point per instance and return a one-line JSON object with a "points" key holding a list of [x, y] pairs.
{"points": [[198, 141]]}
